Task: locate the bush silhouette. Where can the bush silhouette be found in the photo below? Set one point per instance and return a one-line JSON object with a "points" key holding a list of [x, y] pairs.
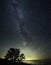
{"points": [[22, 56]]}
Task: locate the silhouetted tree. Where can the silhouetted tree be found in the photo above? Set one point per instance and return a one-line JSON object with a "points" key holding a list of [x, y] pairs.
{"points": [[14, 54]]}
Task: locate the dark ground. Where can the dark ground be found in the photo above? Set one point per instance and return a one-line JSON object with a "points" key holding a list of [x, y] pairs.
{"points": [[8, 62]]}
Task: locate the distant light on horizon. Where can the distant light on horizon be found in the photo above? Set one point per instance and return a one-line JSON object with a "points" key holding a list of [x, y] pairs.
{"points": [[28, 58]]}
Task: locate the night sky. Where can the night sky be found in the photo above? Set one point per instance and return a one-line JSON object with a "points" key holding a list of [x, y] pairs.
{"points": [[26, 24]]}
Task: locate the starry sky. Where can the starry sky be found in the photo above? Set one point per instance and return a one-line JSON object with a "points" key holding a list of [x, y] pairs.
{"points": [[26, 24]]}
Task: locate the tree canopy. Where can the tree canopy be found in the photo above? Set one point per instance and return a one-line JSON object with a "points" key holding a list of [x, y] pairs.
{"points": [[15, 55]]}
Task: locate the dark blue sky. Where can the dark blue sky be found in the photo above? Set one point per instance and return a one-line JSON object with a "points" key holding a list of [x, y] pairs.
{"points": [[25, 24]]}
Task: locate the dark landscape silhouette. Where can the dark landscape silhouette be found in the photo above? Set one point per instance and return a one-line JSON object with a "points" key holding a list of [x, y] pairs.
{"points": [[15, 57]]}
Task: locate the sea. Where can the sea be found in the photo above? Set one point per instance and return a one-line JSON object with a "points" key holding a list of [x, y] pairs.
{"points": [[38, 62]]}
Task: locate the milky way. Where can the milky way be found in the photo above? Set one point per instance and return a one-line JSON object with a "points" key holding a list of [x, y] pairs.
{"points": [[25, 25]]}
